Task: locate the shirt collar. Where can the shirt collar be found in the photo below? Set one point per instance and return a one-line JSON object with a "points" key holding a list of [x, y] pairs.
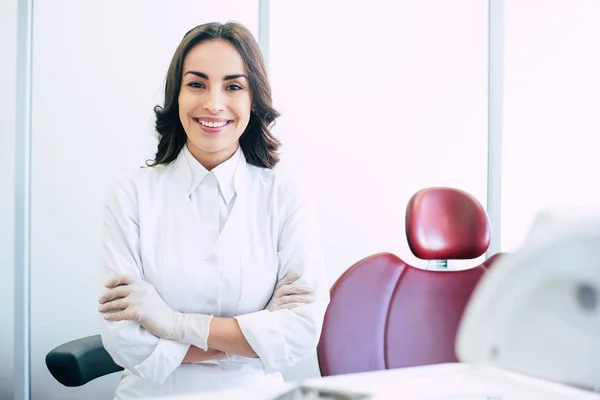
{"points": [[224, 172]]}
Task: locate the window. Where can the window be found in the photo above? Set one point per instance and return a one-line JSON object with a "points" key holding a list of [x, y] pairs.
{"points": [[379, 100], [551, 103]]}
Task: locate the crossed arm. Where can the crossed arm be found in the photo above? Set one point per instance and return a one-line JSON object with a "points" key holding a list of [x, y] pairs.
{"points": [[135, 300]]}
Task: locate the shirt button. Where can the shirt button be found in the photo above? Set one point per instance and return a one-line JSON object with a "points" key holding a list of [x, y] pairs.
{"points": [[210, 257]]}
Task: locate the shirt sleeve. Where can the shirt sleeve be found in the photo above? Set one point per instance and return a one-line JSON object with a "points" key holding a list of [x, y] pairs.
{"points": [[282, 338], [130, 345]]}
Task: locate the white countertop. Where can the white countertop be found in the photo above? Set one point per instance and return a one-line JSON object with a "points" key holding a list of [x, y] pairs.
{"points": [[436, 382]]}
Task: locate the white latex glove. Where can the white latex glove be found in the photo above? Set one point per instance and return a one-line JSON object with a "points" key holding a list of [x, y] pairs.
{"points": [[137, 300], [288, 294]]}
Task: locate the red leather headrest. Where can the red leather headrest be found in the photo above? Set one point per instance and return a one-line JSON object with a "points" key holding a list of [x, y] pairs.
{"points": [[446, 224]]}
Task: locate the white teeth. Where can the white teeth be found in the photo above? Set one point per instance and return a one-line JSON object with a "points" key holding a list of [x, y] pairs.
{"points": [[212, 124]]}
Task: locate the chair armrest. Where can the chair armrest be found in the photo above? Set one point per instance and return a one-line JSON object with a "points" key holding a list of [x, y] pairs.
{"points": [[77, 362]]}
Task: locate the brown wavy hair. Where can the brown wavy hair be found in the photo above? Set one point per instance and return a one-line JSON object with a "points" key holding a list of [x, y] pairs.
{"points": [[258, 144]]}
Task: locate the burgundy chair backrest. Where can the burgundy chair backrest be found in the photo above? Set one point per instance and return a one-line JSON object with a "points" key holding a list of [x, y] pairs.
{"points": [[385, 313]]}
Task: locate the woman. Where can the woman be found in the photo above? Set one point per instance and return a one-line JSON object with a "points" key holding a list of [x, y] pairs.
{"points": [[214, 275]]}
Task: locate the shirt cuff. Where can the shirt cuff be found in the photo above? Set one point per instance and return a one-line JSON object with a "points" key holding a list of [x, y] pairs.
{"points": [[268, 342], [166, 357]]}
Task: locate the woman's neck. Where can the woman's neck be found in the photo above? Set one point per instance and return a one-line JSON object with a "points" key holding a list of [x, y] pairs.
{"points": [[211, 160]]}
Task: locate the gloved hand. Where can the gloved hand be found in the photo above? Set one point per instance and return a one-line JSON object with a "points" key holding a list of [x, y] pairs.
{"points": [[137, 300], [288, 294]]}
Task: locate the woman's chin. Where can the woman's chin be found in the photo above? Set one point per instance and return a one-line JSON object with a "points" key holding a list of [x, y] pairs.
{"points": [[214, 147]]}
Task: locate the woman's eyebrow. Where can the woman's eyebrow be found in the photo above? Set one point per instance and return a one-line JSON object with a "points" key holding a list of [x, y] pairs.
{"points": [[225, 78]]}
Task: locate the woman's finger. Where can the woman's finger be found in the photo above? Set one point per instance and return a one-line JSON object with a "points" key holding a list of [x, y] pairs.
{"points": [[115, 305], [119, 280], [290, 277], [290, 306], [118, 316], [297, 298], [296, 289], [115, 293]]}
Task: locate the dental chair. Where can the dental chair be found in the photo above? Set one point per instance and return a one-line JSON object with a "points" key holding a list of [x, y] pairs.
{"points": [[385, 313]]}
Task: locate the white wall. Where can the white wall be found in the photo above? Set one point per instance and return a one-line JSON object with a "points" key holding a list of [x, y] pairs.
{"points": [[551, 105], [8, 73], [379, 99], [98, 71]]}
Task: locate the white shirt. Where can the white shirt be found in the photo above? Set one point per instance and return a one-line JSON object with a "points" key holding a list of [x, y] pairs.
{"points": [[212, 192], [157, 228]]}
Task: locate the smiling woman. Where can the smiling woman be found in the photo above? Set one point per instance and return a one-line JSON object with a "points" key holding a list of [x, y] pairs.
{"points": [[217, 92], [211, 260], [214, 110]]}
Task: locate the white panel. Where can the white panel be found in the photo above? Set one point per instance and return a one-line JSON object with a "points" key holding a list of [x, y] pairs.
{"points": [[551, 103], [379, 99], [99, 69], [8, 75]]}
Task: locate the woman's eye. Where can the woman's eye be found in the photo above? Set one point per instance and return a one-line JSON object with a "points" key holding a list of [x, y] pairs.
{"points": [[234, 87], [195, 85]]}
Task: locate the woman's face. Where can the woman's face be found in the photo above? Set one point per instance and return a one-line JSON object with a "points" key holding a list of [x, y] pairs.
{"points": [[214, 101]]}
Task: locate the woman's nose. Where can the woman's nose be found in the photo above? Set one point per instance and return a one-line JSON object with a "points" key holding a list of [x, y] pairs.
{"points": [[214, 102]]}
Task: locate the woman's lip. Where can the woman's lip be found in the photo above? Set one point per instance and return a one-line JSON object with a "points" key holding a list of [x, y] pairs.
{"points": [[212, 119], [209, 129]]}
